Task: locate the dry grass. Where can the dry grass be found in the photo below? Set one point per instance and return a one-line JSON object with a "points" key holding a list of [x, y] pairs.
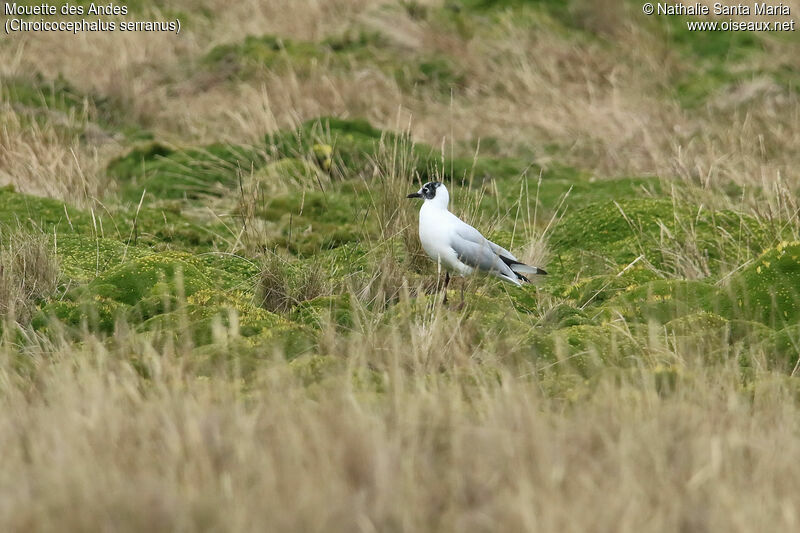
{"points": [[28, 274], [47, 158], [450, 445], [281, 285], [415, 419], [605, 111]]}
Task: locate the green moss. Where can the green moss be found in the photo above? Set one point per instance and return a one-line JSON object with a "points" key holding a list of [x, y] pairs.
{"points": [[144, 286], [408, 310], [311, 221], [150, 276], [152, 226], [748, 333], [608, 236], [342, 263], [192, 173], [594, 290], [664, 300], [492, 318], [209, 312], [82, 309], [82, 259], [325, 309], [782, 348], [695, 323], [528, 193], [564, 316], [164, 227], [354, 143], [587, 348], [289, 172], [768, 290], [525, 298], [57, 95], [315, 205], [602, 229], [228, 271], [35, 93], [354, 127], [355, 147], [339, 52], [468, 170], [579, 188], [702, 334], [44, 213], [266, 51]]}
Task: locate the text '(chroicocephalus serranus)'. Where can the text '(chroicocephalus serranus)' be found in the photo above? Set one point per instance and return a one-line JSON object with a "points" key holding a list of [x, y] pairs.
{"points": [[459, 247]]}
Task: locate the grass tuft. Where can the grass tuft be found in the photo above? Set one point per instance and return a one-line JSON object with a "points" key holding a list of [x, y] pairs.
{"points": [[29, 274]]}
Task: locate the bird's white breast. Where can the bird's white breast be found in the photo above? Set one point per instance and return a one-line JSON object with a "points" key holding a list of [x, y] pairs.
{"points": [[435, 227]]}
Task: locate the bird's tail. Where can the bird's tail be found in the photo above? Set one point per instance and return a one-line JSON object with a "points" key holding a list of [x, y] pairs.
{"points": [[520, 269]]}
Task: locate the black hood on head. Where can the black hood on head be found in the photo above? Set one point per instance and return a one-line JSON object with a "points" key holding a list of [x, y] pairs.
{"points": [[428, 191]]}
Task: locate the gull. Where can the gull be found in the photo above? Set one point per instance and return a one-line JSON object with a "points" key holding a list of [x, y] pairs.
{"points": [[457, 246]]}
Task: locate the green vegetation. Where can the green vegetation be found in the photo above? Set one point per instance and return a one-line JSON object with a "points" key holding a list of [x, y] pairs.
{"points": [[767, 290], [40, 97], [256, 55], [615, 253], [175, 174], [216, 313]]}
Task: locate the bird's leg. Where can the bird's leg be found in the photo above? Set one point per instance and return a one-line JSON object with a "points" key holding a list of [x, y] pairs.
{"points": [[463, 282], [446, 283]]}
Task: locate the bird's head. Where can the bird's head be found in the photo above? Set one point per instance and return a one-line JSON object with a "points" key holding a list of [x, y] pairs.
{"points": [[434, 192]]}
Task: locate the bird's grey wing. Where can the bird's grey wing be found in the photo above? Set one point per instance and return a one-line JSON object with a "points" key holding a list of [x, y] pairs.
{"points": [[471, 235], [481, 256], [499, 250], [467, 232]]}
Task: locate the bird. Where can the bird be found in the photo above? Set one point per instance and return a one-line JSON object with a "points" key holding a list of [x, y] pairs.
{"points": [[457, 246]]}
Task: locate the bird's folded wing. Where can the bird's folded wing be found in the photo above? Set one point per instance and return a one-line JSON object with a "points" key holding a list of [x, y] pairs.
{"points": [[499, 250], [470, 234], [480, 256]]}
